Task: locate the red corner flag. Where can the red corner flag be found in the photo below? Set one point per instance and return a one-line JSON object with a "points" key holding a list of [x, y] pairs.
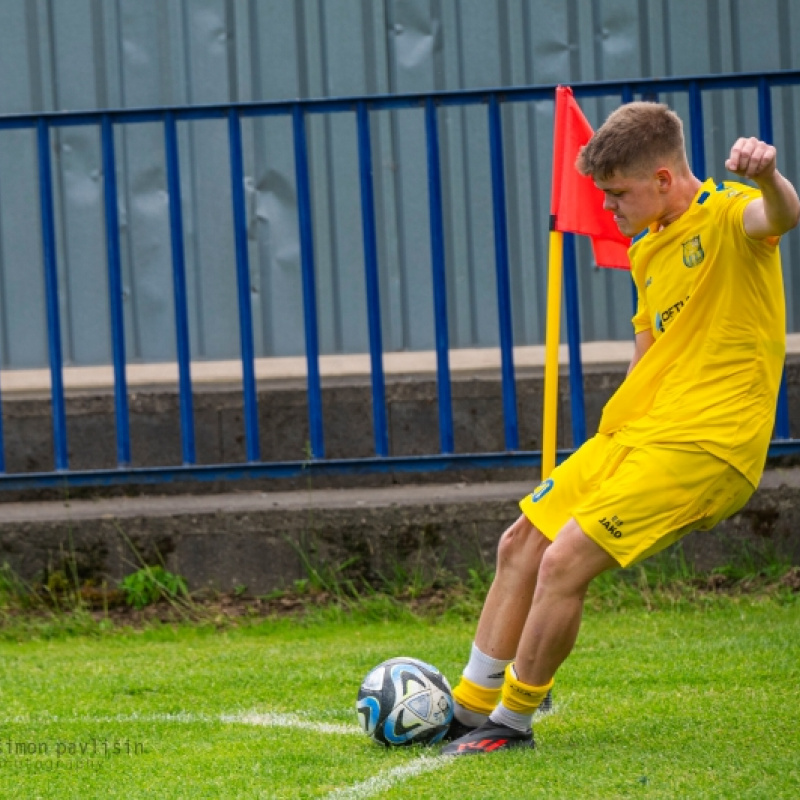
{"points": [[576, 204]]}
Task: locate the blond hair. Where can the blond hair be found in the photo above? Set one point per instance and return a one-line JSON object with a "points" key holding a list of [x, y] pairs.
{"points": [[634, 139]]}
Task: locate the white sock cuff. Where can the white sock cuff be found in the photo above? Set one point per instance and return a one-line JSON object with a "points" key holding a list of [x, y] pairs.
{"points": [[484, 670], [511, 719], [467, 717]]}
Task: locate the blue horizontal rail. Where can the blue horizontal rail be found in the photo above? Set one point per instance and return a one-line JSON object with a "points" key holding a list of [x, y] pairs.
{"points": [[541, 92], [297, 111], [277, 469], [299, 469]]}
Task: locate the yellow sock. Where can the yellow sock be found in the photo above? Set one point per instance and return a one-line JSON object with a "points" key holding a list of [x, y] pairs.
{"points": [[476, 698], [522, 698]]}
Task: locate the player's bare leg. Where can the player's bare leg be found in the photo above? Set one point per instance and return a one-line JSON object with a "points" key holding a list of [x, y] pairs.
{"points": [[502, 620], [508, 601], [566, 569]]}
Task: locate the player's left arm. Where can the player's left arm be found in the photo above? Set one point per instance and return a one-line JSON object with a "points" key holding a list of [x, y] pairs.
{"points": [[643, 342], [778, 209]]}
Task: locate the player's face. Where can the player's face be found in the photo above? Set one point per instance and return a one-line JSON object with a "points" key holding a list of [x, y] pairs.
{"points": [[635, 201]]}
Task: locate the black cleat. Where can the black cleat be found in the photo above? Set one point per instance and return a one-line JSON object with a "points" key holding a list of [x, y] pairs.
{"points": [[456, 730], [487, 738]]}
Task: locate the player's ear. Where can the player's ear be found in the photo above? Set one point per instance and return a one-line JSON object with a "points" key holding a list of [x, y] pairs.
{"points": [[664, 178]]}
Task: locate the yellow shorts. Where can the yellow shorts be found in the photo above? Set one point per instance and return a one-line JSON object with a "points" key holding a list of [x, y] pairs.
{"points": [[636, 501]]}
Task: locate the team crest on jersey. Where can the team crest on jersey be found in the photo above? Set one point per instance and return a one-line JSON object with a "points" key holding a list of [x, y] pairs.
{"points": [[693, 253]]}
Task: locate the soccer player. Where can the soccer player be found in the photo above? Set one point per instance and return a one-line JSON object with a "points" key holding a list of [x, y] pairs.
{"points": [[681, 444]]}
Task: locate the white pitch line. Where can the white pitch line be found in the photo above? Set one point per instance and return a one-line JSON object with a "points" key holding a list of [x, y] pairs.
{"points": [[384, 781], [289, 721], [266, 720], [381, 782]]}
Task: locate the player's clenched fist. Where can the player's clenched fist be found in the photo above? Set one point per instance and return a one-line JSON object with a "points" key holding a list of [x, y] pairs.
{"points": [[751, 158]]}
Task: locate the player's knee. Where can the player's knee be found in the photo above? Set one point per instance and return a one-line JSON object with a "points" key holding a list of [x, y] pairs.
{"points": [[569, 566], [521, 547], [556, 568]]}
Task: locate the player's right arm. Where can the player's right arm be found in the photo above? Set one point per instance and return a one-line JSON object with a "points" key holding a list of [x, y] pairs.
{"points": [[777, 211], [643, 342]]}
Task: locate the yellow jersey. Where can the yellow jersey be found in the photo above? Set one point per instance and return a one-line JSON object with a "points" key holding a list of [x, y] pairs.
{"points": [[713, 299]]}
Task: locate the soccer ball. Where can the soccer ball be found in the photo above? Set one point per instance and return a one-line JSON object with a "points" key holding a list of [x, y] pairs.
{"points": [[405, 701]]}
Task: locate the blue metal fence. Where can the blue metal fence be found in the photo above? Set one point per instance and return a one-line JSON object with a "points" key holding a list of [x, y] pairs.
{"points": [[298, 112]]}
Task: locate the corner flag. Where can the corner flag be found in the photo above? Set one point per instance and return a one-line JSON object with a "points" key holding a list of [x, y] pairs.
{"points": [[576, 206]]}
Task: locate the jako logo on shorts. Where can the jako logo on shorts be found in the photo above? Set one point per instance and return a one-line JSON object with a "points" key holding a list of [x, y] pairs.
{"points": [[542, 490]]}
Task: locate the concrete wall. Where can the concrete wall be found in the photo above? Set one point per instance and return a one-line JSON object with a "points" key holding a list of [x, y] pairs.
{"points": [[283, 419], [253, 534], [266, 541]]}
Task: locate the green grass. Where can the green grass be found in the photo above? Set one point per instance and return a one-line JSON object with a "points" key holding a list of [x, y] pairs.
{"points": [[692, 700]]}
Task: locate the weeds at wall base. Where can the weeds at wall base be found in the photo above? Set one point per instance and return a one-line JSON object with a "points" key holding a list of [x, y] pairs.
{"points": [[455, 599], [58, 605]]}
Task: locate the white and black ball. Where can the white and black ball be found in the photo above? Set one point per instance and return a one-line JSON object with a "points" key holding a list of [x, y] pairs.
{"points": [[405, 701]]}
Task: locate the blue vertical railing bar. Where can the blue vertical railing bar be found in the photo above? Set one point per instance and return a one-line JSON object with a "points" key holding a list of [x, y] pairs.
{"points": [[765, 132], [697, 128], [577, 404], [501, 269], [2, 439], [51, 296], [115, 292], [179, 289], [627, 97], [315, 421], [765, 111], [243, 286], [782, 428], [446, 439], [379, 421]]}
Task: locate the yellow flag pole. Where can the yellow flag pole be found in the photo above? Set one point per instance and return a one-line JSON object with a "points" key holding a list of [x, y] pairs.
{"points": [[552, 341]]}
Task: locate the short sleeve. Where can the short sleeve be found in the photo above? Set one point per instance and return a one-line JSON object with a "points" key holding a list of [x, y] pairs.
{"points": [[641, 319]]}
